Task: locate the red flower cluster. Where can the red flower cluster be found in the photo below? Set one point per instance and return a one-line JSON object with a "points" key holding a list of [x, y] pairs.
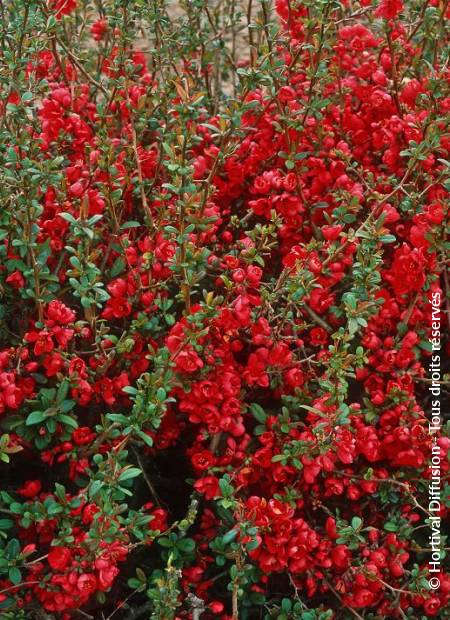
{"points": [[215, 334], [76, 579]]}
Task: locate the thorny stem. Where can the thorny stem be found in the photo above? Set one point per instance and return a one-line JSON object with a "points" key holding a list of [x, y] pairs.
{"points": [[19, 585], [35, 267], [339, 597], [316, 318], [394, 73], [146, 478], [144, 201]]}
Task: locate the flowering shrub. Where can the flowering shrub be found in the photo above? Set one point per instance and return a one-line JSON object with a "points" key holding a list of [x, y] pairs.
{"points": [[222, 230]]}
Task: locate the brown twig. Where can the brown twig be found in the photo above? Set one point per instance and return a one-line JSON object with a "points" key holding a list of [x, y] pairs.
{"points": [[316, 318], [146, 478], [339, 597]]}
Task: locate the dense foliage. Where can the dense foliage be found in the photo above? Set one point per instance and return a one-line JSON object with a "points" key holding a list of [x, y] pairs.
{"points": [[222, 228]]}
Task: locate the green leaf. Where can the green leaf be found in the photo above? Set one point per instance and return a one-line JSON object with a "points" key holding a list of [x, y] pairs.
{"points": [[356, 523], [118, 417], [145, 438], [55, 509], [130, 224], [229, 536], [129, 473], [258, 413], [17, 508], [67, 420], [118, 267], [161, 395], [314, 410], [11, 154], [279, 457], [14, 575], [63, 390], [60, 492], [252, 545], [68, 217], [165, 542], [94, 488], [36, 417], [187, 545], [426, 345], [67, 406], [349, 299], [12, 549], [74, 261], [225, 487]]}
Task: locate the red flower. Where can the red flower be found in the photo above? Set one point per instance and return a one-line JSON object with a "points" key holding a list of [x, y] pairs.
{"points": [[216, 607], [318, 336], [59, 558], [432, 606], [58, 313], [53, 364], [30, 489], [208, 486], [16, 279], [159, 520], [173, 299], [106, 577], [331, 233], [99, 29], [203, 460], [82, 436], [341, 557], [294, 377], [188, 361], [63, 7], [117, 307], [408, 270], [389, 9], [43, 342], [87, 584]]}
